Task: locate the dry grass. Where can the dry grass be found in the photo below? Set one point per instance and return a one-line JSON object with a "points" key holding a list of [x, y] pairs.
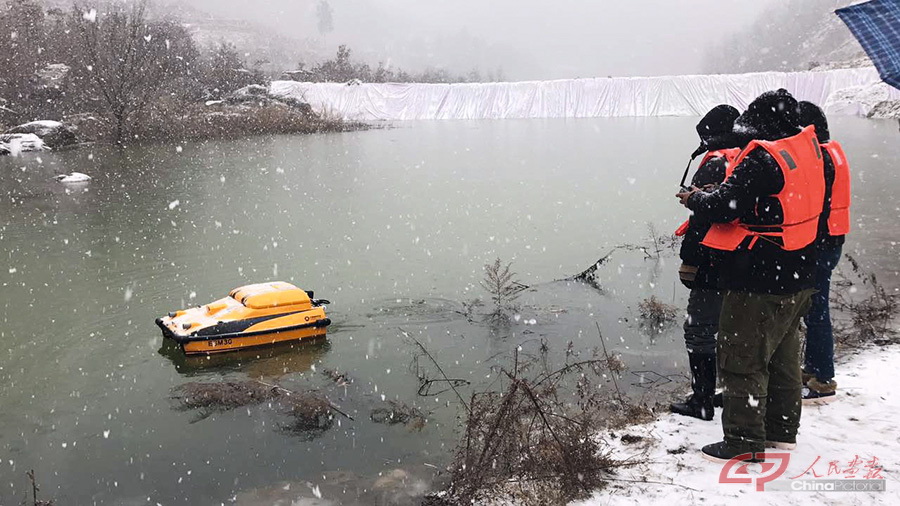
{"points": [[309, 412], [656, 313], [176, 121], [222, 396], [396, 412], [339, 378], [866, 311]]}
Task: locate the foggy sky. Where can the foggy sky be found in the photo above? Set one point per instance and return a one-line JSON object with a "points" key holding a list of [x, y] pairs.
{"points": [[529, 39]]}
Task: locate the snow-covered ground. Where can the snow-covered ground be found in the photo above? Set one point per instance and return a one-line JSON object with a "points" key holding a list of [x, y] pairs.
{"points": [[864, 422]]}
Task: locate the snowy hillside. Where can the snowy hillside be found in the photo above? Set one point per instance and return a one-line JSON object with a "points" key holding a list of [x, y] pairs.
{"points": [[256, 43], [791, 35]]}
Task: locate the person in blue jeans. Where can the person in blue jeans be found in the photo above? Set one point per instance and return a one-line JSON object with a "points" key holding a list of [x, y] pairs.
{"points": [[818, 361]]}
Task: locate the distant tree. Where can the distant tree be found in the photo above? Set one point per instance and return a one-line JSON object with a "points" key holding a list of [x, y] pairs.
{"points": [[127, 60], [342, 68], [496, 75], [22, 40], [326, 17], [222, 71]]}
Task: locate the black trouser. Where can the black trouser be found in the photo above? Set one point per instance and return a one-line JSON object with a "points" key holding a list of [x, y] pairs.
{"points": [[702, 322]]}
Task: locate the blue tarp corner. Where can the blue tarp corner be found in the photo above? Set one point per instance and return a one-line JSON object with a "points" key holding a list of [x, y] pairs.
{"points": [[876, 25]]}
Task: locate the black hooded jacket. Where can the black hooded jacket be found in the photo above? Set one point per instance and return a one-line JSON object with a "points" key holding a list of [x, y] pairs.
{"points": [[716, 131], [766, 268]]}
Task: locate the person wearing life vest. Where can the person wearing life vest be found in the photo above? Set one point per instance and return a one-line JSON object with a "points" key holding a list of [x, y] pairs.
{"points": [[719, 145], [834, 224], [765, 218]]}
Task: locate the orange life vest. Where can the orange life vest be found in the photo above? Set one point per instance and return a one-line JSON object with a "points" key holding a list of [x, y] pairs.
{"points": [[839, 219], [730, 156], [801, 198]]}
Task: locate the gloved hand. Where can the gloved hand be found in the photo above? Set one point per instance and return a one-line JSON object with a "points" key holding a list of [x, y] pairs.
{"points": [[687, 274]]}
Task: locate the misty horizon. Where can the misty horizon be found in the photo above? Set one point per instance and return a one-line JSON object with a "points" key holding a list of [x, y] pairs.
{"points": [[523, 40]]}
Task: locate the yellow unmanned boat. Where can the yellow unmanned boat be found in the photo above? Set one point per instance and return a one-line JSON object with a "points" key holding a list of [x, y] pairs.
{"points": [[252, 315]]}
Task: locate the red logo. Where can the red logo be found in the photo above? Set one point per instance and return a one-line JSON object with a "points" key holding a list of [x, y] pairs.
{"points": [[735, 470]]}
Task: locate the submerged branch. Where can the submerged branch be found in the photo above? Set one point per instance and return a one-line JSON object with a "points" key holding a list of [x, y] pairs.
{"points": [[440, 370]]}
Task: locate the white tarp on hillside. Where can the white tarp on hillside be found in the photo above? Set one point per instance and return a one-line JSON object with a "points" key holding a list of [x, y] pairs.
{"points": [[568, 98]]}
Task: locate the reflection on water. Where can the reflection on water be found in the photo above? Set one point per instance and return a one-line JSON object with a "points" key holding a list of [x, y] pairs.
{"points": [[394, 227], [269, 362]]}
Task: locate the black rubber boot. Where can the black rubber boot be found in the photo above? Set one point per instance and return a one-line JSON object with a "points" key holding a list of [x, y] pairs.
{"points": [[703, 381]]}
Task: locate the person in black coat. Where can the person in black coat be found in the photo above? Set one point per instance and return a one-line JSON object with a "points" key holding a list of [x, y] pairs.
{"points": [[767, 287], [697, 272]]}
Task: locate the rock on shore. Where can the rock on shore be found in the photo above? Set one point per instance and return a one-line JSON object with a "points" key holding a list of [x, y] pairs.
{"points": [[54, 134], [889, 109], [15, 143]]}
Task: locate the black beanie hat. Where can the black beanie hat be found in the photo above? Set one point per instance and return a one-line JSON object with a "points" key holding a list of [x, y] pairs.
{"points": [[811, 114], [716, 129], [771, 116]]}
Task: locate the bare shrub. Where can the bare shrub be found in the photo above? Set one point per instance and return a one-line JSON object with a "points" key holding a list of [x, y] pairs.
{"points": [[865, 317], [657, 242], [660, 242], [653, 249], [34, 490], [521, 444], [533, 438], [656, 313], [126, 61], [501, 283]]}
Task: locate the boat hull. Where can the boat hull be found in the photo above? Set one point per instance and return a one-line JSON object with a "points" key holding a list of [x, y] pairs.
{"points": [[222, 344], [238, 341]]}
